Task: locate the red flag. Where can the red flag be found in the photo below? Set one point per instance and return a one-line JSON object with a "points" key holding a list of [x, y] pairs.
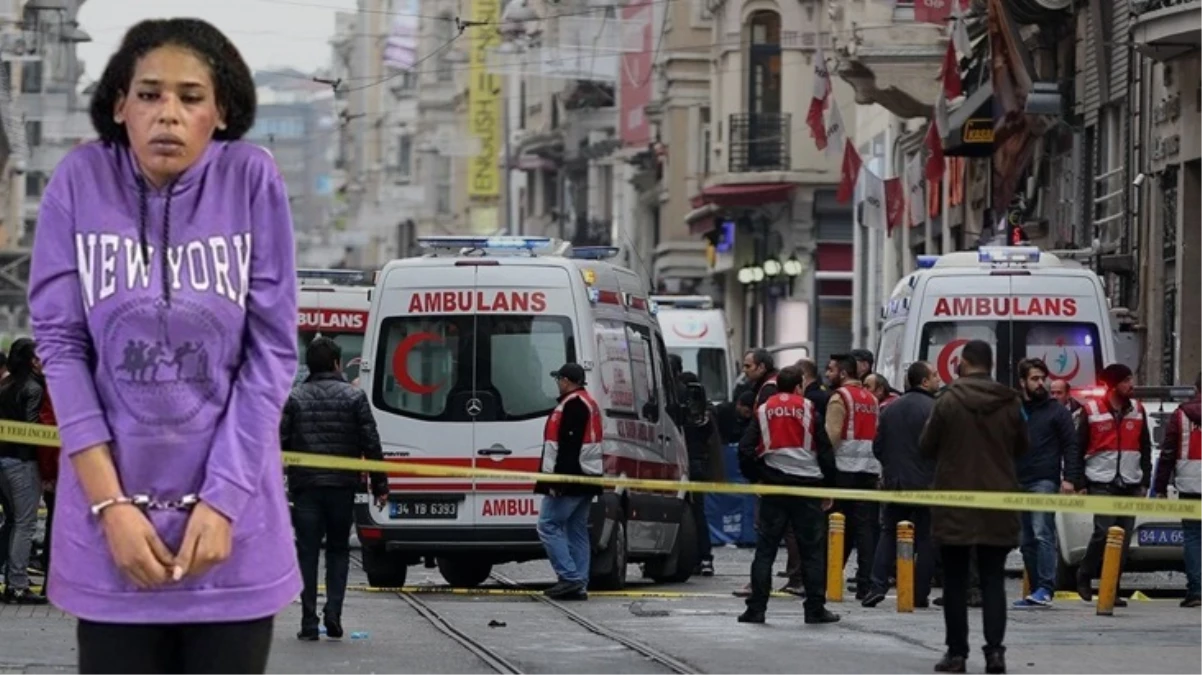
{"points": [[895, 203], [935, 160], [953, 86], [818, 100], [816, 123], [850, 173], [933, 11]]}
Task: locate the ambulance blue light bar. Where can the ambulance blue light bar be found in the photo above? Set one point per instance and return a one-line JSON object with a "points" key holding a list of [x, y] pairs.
{"points": [[595, 252], [684, 301], [926, 262], [499, 243], [333, 276], [1008, 254]]}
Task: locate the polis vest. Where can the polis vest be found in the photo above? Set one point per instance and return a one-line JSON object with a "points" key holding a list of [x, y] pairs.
{"points": [[1188, 472], [590, 452], [854, 453], [788, 427], [1114, 442]]}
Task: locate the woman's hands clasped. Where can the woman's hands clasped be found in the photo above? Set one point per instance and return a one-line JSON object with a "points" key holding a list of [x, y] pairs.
{"points": [[141, 554]]}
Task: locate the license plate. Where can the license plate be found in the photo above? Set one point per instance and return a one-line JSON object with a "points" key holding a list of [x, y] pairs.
{"points": [[420, 509], [1161, 536]]}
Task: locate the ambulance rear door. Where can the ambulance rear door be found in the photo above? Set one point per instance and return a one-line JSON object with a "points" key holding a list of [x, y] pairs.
{"points": [[1060, 318], [956, 308], [423, 389], [525, 328]]}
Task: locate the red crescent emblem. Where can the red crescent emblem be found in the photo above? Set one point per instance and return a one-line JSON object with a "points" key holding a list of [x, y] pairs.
{"points": [[689, 335], [400, 363], [1071, 375], [949, 359]]}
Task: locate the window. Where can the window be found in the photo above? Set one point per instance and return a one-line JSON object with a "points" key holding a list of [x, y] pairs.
{"points": [[444, 32], [442, 185], [430, 366], [643, 370], [889, 355], [709, 363], [613, 359], [31, 77], [33, 132], [404, 156], [352, 350], [764, 88], [550, 191], [1071, 350], [35, 184]]}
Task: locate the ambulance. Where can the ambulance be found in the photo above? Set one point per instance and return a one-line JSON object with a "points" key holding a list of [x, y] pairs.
{"points": [[459, 350], [696, 332], [333, 303], [1027, 303]]}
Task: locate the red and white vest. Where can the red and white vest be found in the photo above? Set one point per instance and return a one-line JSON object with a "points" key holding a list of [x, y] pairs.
{"points": [[854, 453], [1113, 443], [1188, 472], [889, 398], [788, 428], [591, 450]]}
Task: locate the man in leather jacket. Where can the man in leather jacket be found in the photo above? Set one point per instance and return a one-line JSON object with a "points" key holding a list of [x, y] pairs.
{"points": [[326, 415]]}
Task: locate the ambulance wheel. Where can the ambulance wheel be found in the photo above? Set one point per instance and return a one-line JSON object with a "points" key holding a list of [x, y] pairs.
{"points": [[612, 560], [678, 566], [384, 569], [464, 572]]}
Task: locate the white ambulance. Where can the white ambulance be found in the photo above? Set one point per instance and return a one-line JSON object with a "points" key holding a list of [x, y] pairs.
{"points": [[1027, 304], [334, 303], [696, 332], [459, 349]]}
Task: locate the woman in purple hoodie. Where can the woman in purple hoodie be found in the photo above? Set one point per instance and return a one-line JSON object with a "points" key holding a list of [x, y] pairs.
{"points": [[163, 299]]}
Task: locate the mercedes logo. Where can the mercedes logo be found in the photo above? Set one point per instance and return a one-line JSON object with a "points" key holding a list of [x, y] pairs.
{"points": [[474, 407]]}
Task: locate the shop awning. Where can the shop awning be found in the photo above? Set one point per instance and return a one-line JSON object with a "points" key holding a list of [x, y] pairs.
{"points": [[736, 196], [970, 127]]}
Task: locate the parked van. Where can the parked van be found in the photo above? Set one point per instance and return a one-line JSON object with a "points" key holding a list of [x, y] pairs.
{"points": [[1026, 303], [334, 303], [461, 343], [696, 332]]}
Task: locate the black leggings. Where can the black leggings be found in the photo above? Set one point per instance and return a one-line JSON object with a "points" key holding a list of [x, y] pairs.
{"points": [[237, 647]]}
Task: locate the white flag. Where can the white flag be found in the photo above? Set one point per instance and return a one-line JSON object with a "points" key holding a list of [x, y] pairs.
{"points": [[834, 131], [959, 30], [916, 191], [875, 216], [941, 115]]}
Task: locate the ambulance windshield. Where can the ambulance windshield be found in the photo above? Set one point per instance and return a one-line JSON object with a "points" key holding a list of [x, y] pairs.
{"points": [[709, 363], [1072, 351], [437, 367]]}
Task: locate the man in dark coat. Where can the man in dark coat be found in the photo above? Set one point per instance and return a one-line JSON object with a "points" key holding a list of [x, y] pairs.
{"points": [[975, 434]]}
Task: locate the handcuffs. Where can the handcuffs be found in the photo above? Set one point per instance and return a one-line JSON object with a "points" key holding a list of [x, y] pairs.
{"points": [[146, 503]]}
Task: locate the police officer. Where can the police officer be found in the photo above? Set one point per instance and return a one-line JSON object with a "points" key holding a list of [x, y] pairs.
{"points": [[851, 417], [784, 449], [1181, 459], [1114, 439]]}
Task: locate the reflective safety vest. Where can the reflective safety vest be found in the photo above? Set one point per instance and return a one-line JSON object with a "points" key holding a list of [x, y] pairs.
{"points": [[590, 452], [788, 428], [1188, 472], [1113, 443], [854, 453]]}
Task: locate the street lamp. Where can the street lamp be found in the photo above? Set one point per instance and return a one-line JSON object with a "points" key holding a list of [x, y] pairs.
{"points": [[772, 267], [793, 266]]}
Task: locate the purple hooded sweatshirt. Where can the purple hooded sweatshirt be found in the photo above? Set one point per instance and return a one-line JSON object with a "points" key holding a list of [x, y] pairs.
{"points": [[180, 359]]}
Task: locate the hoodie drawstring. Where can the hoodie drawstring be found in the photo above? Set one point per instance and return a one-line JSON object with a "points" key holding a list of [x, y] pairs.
{"points": [[164, 302]]}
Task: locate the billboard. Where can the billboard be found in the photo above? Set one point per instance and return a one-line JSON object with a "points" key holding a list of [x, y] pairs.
{"points": [[635, 81], [485, 98]]}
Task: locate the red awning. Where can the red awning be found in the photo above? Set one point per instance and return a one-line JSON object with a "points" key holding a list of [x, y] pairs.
{"points": [[747, 195]]}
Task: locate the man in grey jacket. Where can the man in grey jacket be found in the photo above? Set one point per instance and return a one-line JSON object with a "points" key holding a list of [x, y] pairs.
{"points": [[903, 468]]}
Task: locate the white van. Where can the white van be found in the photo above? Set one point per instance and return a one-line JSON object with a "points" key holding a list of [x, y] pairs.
{"points": [[696, 332], [334, 303], [460, 346], [1026, 303]]}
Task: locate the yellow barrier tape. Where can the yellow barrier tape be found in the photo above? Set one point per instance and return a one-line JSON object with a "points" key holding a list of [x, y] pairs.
{"points": [[1172, 509]]}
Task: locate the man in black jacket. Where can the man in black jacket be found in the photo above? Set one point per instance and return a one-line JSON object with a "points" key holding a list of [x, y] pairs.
{"points": [[326, 415], [705, 464], [1051, 465], [571, 447], [904, 468]]}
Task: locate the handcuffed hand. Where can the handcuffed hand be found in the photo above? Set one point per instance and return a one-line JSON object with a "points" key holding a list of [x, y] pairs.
{"points": [[207, 541], [135, 546]]}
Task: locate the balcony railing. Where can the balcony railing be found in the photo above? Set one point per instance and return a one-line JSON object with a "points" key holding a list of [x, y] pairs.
{"points": [[759, 142]]}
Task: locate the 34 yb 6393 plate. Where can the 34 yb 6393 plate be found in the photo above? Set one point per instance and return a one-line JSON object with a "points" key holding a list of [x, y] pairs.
{"points": [[424, 509]]}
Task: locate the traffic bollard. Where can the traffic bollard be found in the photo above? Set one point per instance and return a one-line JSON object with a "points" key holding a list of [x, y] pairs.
{"points": [[905, 566], [1026, 582], [1108, 586], [834, 559]]}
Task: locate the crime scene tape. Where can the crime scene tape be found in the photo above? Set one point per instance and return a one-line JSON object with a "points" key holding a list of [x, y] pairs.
{"points": [[47, 436]]}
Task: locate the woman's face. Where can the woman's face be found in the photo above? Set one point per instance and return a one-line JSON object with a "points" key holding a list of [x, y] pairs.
{"points": [[169, 111]]}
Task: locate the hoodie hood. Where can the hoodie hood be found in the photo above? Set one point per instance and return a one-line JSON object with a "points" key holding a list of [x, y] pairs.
{"points": [[982, 395], [1193, 410]]}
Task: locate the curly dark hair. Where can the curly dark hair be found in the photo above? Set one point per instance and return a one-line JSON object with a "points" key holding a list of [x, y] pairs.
{"points": [[231, 76]]}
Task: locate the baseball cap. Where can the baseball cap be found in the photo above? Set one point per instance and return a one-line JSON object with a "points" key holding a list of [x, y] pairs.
{"points": [[572, 372]]}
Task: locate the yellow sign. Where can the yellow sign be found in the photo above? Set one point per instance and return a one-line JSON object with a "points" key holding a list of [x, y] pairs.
{"points": [[484, 93], [978, 130], [38, 434]]}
